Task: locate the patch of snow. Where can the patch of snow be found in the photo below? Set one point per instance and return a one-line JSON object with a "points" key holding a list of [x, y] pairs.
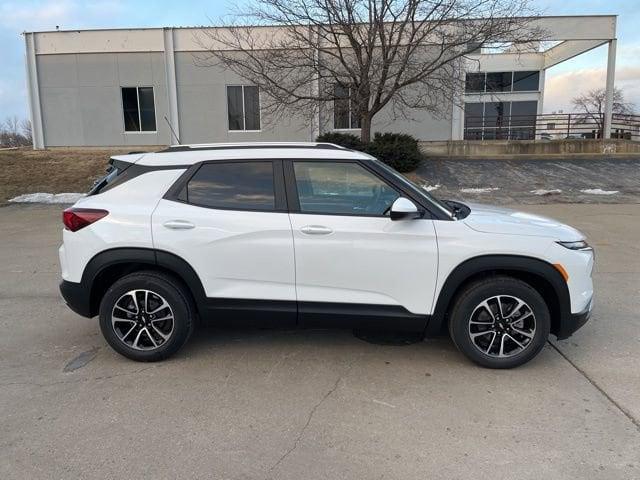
{"points": [[599, 191], [542, 191], [479, 190], [431, 188], [40, 197]]}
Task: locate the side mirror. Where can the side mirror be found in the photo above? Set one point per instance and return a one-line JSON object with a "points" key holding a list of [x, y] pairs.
{"points": [[403, 208]]}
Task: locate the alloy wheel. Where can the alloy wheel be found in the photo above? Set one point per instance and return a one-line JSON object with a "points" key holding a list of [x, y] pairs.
{"points": [[142, 319], [502, 326]]}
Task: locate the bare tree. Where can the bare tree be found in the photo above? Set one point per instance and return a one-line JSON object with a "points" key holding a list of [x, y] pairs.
{"points": [[27, 131], [591, 106], [13, 132], [408, 54]]}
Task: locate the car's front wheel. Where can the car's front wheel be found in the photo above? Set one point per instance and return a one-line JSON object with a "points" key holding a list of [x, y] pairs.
{"points": [[146, 316], [499, 322]]}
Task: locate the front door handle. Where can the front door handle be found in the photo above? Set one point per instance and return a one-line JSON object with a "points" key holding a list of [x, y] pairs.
{"points": [[316, 230], [179, 225]]}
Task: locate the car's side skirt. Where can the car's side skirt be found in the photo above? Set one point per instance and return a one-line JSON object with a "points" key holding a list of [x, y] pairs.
{"points": [[291, 314]]}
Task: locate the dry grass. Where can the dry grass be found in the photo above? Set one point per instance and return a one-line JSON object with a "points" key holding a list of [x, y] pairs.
{"points": [[54, 171]]}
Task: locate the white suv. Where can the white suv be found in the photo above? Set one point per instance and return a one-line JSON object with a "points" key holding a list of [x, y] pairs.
{"points": [[311, 234]]}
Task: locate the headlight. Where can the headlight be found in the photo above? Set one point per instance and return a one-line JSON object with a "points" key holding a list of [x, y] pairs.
{"points": [[580, 245]]}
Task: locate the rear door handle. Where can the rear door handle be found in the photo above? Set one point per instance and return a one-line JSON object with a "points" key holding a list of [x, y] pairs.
{"points": [[316, 230], [179, 225]]}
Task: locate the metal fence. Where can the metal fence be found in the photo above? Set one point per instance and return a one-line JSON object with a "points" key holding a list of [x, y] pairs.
{"points": [[549, 126]]}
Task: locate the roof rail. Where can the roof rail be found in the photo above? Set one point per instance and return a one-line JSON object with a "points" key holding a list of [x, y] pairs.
{"points": [[249, 145]]}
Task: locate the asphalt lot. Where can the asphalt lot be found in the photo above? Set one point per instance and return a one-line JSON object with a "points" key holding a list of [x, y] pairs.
{"points": [[314, 404], [534, 180]]}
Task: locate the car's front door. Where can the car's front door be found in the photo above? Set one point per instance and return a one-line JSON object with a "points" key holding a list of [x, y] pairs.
{"points": [[230, 223], [350, 256]]}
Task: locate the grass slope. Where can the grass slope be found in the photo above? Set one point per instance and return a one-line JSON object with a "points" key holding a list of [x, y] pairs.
{"points": [[53, 171]]}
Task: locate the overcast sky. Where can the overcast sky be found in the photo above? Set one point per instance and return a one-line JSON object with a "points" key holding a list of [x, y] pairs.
{"points": [[563, 81]]}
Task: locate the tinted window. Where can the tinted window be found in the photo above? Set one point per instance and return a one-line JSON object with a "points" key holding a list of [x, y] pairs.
{"points": [[341, 108], [496, 114], [341, 188], [139, 110], [238, 185], [526, 81], [147, 109], [524, 113], [345, 109], [499, 81], [251, 108], [234, 108], [243, 107], [130, 109], [473, 114], [474, 82]]}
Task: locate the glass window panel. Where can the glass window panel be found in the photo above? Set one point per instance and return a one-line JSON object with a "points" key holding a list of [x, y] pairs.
{"points": [[341, 188], [234, 108], [496, 114], [473, 134], [526, 81], [524, 113], [523, 133], [238, 185], [474, 82], [473, 114], [355, 117], [341, 107], [130, 110], [489, 134], [252, 108], [147, 109], [499, 81]]}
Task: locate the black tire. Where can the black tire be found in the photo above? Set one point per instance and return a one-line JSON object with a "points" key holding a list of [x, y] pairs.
{"points": [[172, 291], [472, 297]]}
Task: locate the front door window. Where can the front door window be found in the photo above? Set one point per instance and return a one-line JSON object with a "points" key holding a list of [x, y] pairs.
{"points": [[342, 188]]}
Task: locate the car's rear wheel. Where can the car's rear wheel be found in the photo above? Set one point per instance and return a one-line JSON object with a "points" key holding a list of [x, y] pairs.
{"points": [[146, 316], [499, 322]]}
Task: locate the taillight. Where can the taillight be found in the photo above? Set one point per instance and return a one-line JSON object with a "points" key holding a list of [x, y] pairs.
{"points": [[76, 218]]}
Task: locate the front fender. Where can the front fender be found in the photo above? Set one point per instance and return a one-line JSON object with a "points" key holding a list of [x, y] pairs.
{"points": [[516, 265]]}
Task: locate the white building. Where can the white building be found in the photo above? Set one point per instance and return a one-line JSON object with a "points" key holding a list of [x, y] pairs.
{"points": [[141, 87]]}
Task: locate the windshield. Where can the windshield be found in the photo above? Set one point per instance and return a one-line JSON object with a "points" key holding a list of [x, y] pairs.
{"points": [[416, 188]]}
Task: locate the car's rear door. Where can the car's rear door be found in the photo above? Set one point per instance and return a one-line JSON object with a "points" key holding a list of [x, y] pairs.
{"points": [[350, 256], [228, 220]]}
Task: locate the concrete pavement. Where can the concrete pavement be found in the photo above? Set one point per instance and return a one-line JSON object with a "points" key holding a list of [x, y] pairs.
{"points": [[316, 404]]}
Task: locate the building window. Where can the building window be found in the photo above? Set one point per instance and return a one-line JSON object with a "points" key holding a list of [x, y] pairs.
{"points": [[243, 107], [235, 186], [344, 109], [495, 82], [473, 120], [500, 120], [499, 81], [139, 109], [526, 81], [475, 82]]}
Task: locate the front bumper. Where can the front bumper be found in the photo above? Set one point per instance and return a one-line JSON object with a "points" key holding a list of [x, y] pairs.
{"points": [[77, 297], [571, 323]]}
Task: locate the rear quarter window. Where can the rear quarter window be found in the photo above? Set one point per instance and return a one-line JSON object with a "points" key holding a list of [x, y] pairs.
{"points": [[115, 170]]}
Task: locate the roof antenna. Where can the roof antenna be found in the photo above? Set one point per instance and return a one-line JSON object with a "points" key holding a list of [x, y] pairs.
{"points": [[172, 130]]}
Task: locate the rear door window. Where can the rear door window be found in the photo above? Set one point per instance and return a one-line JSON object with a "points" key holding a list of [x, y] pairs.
{"points": [[233, 185]]}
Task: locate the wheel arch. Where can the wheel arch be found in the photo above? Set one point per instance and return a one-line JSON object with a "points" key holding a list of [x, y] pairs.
{"points": [[538, 273], [108, 266]]}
